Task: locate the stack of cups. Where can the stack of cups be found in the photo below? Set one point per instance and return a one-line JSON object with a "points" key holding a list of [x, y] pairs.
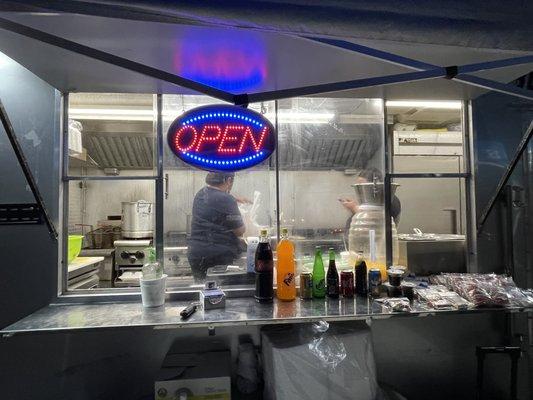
{"points": [[153, 291]]}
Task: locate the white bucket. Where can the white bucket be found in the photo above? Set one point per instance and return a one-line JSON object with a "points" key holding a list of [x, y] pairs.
{"points": [[153, 291]]}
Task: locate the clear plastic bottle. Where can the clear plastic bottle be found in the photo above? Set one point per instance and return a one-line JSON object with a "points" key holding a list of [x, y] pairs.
{"points": [[152, 269], [371, 217]]}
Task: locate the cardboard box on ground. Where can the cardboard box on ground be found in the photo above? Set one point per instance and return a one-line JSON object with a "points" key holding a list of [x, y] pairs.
{"points": [[194, 376]]}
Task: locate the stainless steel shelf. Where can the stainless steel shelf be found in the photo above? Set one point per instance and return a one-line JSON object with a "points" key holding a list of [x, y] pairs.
{"points": [[238, 311]]}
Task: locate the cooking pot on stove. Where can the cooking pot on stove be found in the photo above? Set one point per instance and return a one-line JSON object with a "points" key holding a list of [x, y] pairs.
{"points": [[137, 219]]}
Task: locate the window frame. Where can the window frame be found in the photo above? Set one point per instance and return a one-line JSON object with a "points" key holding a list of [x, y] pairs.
{"points": [[467, 175], [133, 294]]}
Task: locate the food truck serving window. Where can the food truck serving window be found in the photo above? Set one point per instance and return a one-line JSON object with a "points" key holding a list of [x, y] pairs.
{"points": [[198, 183]]}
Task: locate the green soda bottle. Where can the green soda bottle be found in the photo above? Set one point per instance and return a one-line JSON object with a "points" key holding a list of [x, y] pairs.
{"points": [[319, 275]]}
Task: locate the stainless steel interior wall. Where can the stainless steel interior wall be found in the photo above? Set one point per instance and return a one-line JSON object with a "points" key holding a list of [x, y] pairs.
{"points": [[29, 256]]}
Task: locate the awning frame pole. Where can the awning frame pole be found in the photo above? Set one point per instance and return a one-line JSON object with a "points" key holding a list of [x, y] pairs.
{"points": [[347, 85], [460, 75], [112, 59], [11, 135], [522, 146]]}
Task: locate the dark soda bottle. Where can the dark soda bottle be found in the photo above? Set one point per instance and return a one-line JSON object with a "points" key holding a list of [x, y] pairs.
{"points": [[264, 269], [332, 277], [361, 285]]}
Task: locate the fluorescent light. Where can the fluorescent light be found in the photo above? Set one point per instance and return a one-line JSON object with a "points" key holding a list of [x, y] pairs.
{"points": [[295, 117], [116, 114], [121, 114], [304, 117], [444, 105]]}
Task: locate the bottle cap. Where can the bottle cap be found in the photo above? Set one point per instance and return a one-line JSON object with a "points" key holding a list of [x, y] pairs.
{"points": [[284, 231], [263, 232]]}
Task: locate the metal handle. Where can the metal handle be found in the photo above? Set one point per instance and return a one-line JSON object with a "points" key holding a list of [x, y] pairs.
{"points": [[166, 186]]}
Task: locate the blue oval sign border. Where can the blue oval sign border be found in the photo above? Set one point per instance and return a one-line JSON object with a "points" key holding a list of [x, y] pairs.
{"points": [[211, 126]]}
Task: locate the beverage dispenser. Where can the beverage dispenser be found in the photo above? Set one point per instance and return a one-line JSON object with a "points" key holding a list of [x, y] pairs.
{"points": [[367, 229]]}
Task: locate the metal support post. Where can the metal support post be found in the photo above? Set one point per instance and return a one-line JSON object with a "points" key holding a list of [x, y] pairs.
{"points": [[508, 172], [160, 182], [10, 132]]}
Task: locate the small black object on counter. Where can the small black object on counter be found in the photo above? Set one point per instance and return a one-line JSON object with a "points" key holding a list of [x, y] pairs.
{"points": [[189, 310]]}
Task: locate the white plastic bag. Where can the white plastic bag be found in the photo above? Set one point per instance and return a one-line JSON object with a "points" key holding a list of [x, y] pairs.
{"points": [[249, 214]]}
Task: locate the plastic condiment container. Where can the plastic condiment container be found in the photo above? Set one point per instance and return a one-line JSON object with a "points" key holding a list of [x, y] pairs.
{"points": [[153, 291], [393, 291], [395, 276], [408, 290]]}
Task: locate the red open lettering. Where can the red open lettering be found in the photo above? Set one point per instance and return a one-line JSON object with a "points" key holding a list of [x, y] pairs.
{"points": [[228, 138], [207, 138], [181, 133], [231, 138], [256, 145]]}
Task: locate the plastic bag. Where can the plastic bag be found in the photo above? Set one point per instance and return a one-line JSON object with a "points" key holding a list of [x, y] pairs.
{"points": [[320, 361], [327, 348], [395, 304], [249, 214], [486, 290], [520, 297]]}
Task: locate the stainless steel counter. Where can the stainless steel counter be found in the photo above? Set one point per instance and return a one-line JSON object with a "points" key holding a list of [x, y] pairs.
{"points": [[238, 311]]}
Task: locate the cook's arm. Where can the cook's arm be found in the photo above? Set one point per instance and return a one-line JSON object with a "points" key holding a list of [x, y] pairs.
{"points": [[239, 231]]}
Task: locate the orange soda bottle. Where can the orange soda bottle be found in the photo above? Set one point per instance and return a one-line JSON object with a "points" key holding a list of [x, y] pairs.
{"points": [[285, 271]]}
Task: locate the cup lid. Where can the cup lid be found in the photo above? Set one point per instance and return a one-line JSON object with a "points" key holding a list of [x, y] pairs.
{"points": [[395, 272]]}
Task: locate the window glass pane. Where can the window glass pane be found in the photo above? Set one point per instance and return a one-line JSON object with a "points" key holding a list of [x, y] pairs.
{"points": [[426, 136], [197, 244], [326, 145], [96, 212], [111, 134], [431, 225]]}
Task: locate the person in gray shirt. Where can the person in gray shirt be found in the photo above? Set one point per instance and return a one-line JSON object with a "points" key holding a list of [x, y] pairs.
{"points": [[216, 225]]}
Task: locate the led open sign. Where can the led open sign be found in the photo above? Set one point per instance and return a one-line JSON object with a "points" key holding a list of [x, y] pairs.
{"points": [[222, 138]]}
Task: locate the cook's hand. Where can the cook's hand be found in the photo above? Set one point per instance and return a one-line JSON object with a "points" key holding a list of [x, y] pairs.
{"points": [[349, 204], [242, 200]]}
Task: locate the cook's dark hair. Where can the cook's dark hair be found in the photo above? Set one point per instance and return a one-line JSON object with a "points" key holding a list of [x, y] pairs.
{"points": [[369, 174], [218, 178]]}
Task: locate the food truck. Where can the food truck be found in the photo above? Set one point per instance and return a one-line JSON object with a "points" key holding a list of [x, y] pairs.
{"points": [[148, 151]]}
